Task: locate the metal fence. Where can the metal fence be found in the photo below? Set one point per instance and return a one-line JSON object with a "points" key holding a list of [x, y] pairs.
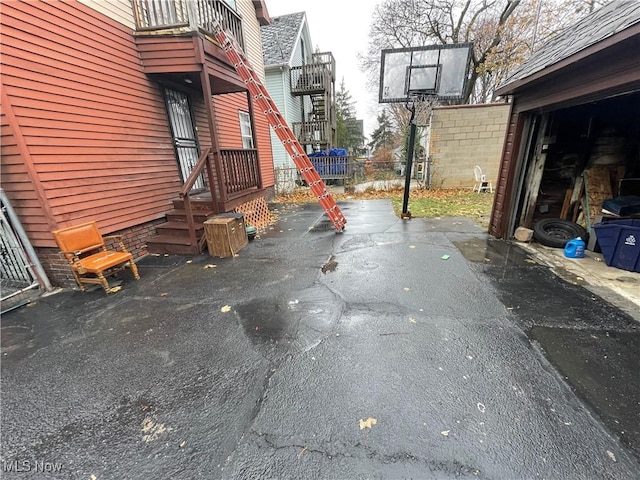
{"points": [[20, 269]]}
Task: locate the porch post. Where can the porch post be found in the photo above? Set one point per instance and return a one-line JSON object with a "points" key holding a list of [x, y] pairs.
{"points": [[254, 135], [213, 131]]}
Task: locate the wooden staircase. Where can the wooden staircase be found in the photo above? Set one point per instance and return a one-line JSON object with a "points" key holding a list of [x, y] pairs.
{"points": [[172, 237]]}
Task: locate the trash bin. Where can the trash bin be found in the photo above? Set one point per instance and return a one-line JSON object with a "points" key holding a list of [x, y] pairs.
{"points": [[620, 244]]}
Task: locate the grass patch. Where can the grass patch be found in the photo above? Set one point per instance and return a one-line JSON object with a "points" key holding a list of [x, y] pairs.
{"points": [[422, 203], [446, 203]]}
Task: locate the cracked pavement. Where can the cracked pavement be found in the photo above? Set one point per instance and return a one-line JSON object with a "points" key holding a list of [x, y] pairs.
{"points": [[324, 330]]}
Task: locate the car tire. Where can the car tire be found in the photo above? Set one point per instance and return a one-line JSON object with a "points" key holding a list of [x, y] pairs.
{"points": [[555, 232]]}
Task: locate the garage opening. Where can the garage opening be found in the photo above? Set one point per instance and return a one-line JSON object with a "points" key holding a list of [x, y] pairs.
{"points": [[579, 157]]}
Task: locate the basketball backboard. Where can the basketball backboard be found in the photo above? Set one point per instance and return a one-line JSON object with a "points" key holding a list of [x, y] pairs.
{"points": [[435, 70]]}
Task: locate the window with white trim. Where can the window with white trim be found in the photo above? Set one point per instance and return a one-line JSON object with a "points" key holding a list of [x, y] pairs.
{"points": [[245, 130]]}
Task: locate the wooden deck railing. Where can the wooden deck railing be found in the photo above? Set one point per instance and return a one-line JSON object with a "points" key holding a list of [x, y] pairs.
{"points": [[241, 171], [316, 76], [158, 15], [312, 133]]}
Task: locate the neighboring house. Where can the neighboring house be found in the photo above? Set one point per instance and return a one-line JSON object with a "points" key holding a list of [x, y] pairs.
{"points": [[110, 106], [574, 126], [301, 83]]}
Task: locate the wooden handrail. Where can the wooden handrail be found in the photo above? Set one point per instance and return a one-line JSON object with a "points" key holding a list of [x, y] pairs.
{"points": [[188, 185], [195, 173]]}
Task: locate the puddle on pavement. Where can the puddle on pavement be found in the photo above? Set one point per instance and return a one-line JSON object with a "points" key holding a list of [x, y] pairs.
{"points": [[298, 322], [601, 366], [493, 252]]}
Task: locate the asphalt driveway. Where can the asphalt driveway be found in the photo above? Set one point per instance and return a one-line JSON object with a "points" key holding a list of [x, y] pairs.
{"points": [[387, 351]]}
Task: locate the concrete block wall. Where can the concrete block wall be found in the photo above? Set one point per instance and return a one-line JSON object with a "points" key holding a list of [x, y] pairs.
{"points": [[464, 136]]}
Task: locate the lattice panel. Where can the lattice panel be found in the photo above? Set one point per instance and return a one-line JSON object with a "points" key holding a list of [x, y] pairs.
{"points": [[256, 213]]}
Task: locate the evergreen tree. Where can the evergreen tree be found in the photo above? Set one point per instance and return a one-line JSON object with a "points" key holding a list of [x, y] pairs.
{"points": [[383, 135], [348, 128]]}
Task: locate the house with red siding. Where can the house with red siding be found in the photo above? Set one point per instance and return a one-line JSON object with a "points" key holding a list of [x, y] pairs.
{"points": [[128, 112]]}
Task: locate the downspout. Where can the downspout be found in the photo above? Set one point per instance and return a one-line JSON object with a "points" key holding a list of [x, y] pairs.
{"points": [[285, 107]]}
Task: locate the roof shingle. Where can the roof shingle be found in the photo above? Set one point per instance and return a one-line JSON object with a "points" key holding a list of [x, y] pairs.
{"points": [[278, 38]]}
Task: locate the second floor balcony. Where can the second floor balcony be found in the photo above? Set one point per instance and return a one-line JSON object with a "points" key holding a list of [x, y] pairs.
{"points": [[182, 16], [316, 77]]}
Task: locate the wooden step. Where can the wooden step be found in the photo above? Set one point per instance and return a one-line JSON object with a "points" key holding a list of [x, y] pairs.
{"points": [[172, 245], [179, 229], [196, 204], [179, 215]]}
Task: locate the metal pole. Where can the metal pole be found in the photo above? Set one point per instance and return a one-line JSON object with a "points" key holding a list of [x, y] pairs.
{"points": [[39, 272], [407, 181]]}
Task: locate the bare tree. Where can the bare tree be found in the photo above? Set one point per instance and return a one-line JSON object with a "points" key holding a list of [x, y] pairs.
{"points": [[405, 23], [504, 33]]}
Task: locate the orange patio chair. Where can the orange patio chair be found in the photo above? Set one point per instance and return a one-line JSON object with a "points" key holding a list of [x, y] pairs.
{"points": [[85, 249]]}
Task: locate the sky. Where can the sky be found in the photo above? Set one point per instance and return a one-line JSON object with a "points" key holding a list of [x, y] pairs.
{"points": [[342, 28]]}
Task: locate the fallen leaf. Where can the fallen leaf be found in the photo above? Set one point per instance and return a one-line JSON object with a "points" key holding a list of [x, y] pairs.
{"points": [[164, 294], [445, 433], [225, 309], [368, 423], [302, 452], [115, 289], [210, 265]]}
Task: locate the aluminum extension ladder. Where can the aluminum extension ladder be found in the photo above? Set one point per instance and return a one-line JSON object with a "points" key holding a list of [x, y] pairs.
{"points": [[280, 127]]}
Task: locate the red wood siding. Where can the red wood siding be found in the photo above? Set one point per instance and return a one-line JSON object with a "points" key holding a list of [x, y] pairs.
{"points": [[163, 54], [265, 152], [227, 107], [94, 125]]}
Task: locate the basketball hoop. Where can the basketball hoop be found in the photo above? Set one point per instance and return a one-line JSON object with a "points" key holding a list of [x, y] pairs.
{"points": [[419, 77], [423, 106]]}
